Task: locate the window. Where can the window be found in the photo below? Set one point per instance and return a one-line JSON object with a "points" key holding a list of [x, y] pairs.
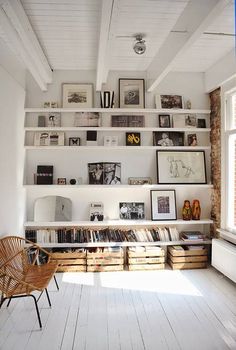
{"points": [[230, 169]]}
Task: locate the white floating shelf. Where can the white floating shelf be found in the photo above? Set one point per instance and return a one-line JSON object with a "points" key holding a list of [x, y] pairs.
{"points": [[111, 128], [112, 187], [118, 110], [120, 244], [113, 223], [109, 148]]}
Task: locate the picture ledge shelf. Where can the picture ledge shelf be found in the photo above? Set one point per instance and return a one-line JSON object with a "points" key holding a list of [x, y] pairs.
{"points": [[77, 148], [126, 186], [119, 110], [112, 223], [112, 128]]}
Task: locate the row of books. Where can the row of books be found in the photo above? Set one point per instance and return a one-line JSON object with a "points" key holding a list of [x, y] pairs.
{"points": [[102, 235]]}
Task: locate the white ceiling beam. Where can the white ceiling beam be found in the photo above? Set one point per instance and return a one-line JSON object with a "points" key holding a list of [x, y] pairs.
{"points": [[221, 72], [195, 19], [102, 62], [24, 42]]}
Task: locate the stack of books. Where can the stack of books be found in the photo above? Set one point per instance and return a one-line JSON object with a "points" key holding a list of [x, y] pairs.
{"points": [[194, 236]]}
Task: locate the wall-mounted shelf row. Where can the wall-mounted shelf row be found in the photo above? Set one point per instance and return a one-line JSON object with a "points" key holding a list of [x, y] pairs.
{"points": [[112, 128], [79, 148], [118, 110], [121, 186]]}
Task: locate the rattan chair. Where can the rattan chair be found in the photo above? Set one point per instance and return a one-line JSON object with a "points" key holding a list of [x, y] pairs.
{"points": [[22, 271]]}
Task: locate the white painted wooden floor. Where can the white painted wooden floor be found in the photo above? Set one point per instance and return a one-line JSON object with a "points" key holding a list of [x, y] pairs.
{"points": [[151, 310]]}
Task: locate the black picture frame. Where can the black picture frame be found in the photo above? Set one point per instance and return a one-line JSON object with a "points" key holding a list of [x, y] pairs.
{"points": [[131, 210], [133, 139], [164, 120], [131, 93], [181, 167], [201, 123], [163, 205], [168, 138], [74, 141]]}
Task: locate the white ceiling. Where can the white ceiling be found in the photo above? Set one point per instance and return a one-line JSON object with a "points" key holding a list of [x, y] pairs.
{"points": [[70, 32]]}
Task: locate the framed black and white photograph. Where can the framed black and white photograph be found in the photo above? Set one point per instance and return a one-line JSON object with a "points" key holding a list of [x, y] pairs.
{"points": [[74, 141], [96, 173], [169, 101], [192, 139], [139, 181], [190, 121], [164, 120], [86, 119], [131, 93], [53, 119], [77, 95], [133, 139], [163, 205], [201, 123], [96, 211], [131, 210], [181, 167], [172, 138], [104, 173]]}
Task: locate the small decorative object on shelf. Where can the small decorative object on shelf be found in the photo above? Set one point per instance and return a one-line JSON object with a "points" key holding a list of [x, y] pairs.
{"points": [[131, 93], [188, 104], [96, 211], [133, 139], [192, 139], [74, 141], [51, 104], [44, 175], [139, 180], [110, 141], [47, 104], [61, 181], [187, 210], [107, 99], [196, 210], [73, 181], [131, 211]]}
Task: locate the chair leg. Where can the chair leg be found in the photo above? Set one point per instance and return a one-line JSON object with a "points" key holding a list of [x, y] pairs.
{"points": [[9, 302], [56, 282], [37, 310], [2, 300], [49, 302]]}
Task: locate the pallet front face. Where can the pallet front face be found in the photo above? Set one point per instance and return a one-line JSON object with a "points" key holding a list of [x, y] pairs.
{"points": [[69, 255], [154, 253], [187, 265], [105, 261], [186, 252], [146, 260], [138, 267], [179, 259], [71, 268], [100, 268]]}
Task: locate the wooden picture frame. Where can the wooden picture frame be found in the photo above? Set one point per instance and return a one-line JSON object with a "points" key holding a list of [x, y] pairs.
{"points": [[181, 167], [131, 93], [163, 205], [77, 95]]}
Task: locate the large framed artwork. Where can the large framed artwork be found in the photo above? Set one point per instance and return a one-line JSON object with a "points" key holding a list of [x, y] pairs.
{"points": [[131, 93], [77, 95], [181, 167], [169, 101], [163, 205]]}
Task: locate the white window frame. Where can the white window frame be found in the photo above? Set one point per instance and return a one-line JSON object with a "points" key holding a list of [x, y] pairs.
{"points": [[228, 133]]}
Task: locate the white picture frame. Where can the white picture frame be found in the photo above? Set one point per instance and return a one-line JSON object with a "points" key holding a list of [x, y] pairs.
{"points": [[49, 138], [77, 95], [131, 93], [163, 205]]}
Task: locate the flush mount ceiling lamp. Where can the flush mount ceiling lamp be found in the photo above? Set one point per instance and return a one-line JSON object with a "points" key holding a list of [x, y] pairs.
{"points": [[139, 45]]}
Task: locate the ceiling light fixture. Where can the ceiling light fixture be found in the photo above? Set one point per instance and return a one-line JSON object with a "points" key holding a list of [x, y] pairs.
{"points": [[139, 46]]}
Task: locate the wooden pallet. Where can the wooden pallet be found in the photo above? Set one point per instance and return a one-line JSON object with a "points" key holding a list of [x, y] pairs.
{"points": [[72, 268], [146, 260], [102, 268], [105, 261], [151, 253], [70, 261], [137, 267], [187, 259]]}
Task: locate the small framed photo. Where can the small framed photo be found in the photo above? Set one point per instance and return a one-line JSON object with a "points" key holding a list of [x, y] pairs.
{"points": [[201, 123], [77, 95], [139, 180], [163, 205], [192, 139], [133, 139], [172, 138], [169, 101], [86, 119], [131, 210], [131, 93], [190, 121], [61, 181], [96, 211], [181, 167], [74, 141], [164, 120], [53, 119]]}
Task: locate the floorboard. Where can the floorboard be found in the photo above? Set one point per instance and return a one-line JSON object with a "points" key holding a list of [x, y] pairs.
{"points": [[127, 310]]}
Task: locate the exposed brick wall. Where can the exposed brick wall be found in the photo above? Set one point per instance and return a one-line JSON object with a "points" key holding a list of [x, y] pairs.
{"points": [[215, 139]]}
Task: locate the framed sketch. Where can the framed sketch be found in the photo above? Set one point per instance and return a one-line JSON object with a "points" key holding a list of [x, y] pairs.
{"points": [[169, 101], [74, 141], [163, 205], [181, 167], [172, 138], [133, 139], [131, 93], [164, 121], [77, 95], [131, 210], [139, 180], [192, 139]]}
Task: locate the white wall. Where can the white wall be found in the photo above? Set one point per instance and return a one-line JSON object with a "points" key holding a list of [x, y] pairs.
{"points": [[12, 207]]}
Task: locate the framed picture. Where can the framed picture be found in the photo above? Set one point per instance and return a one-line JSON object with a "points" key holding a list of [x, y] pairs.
{"points": [[181, 167], [192, 139], [77, 95], [104, 173], [133, 139], [164, 121], [190, 121], [86, 119], [184, 121], [131, 93], [53, 119], [96, 211], [74, 141], [139, 180], [131, 211], [163, 205], [61, 181], [51, 138], [201, 123], [169, 101], [172, 138]]}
